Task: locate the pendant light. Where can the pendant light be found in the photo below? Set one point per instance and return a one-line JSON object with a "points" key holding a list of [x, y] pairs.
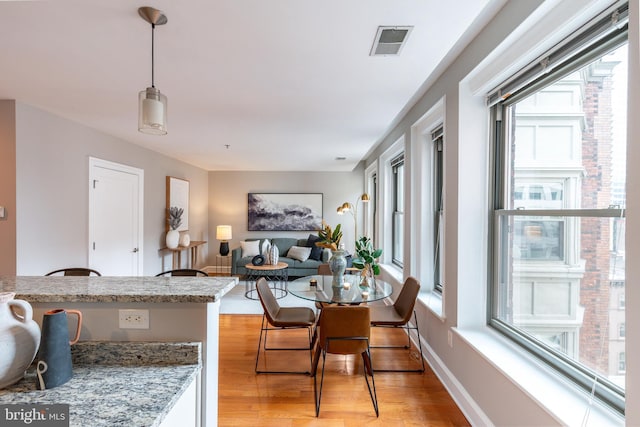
{"points": [[152, 105]]}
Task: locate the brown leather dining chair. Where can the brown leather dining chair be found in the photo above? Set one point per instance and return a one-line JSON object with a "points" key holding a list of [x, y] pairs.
{"points": [[398, 315], [344, 330], [280, 318], [183, 272], [75, 271]]}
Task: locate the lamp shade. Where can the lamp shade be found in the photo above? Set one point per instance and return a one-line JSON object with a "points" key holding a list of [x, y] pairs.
{"points": [[152, 112], [223, 232]]}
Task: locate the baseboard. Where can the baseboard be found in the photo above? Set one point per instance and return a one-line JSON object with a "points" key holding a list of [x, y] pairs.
{"points": [[471, 410]]}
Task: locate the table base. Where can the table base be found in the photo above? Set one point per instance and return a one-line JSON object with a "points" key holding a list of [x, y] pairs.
{"points": [[277, 282]]}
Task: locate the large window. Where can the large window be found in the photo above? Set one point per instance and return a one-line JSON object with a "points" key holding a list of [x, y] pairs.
{"points": [[558, 224], [437, 140], [397, 168]]}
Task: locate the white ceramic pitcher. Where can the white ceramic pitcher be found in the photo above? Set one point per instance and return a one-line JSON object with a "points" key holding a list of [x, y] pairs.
{"points": [[19, 338]]}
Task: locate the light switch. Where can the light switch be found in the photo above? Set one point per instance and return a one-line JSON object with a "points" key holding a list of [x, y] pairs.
{"points": [[3, 214]]}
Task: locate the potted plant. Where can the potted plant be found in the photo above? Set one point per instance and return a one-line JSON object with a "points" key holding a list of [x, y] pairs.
{"points": [[366, 259], [330, 239], [174, 219]]}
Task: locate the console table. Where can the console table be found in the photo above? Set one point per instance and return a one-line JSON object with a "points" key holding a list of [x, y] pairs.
{"points": [[177, 254]]}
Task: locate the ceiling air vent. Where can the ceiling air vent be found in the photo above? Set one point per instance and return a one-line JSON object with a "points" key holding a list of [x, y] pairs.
{"points": [[390, 40]]}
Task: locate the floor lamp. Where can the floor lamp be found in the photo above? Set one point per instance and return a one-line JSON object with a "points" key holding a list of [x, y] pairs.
{"points": [[352, 208]]}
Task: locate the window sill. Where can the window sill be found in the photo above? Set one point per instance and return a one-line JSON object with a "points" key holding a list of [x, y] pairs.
{"points": [[560, 398], [433, 301]]}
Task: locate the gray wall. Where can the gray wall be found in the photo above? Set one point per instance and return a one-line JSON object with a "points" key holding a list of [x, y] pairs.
{"points": [[228, 199], [52, 192], [480, 382]]}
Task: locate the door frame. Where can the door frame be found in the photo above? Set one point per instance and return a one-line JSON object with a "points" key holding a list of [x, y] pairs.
{"points": [[139, 173]]}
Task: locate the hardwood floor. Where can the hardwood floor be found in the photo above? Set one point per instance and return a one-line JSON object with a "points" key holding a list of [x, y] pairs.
{"points": [[249, 399]]}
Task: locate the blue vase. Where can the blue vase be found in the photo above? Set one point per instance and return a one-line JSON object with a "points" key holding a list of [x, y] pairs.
{"points": [[338, 265], [54, 359]]}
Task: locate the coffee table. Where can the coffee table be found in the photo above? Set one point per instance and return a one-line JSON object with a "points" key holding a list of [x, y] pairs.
{"points": [[277, 275]]}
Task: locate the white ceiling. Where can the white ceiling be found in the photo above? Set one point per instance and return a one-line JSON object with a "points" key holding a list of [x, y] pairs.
{"points": [[287, 84]]}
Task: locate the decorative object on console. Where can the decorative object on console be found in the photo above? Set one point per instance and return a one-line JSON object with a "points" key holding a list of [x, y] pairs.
{"points": [[19, 338], [366, 260], [174, 219], [284, 211], [185, 239], [258, 260], [152, 108], [352, 208], [223, 233]]}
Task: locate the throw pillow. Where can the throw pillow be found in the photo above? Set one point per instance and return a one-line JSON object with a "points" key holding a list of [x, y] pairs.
{"points": [[316, 251], [299, 253], [274, 254], [250, 248]]}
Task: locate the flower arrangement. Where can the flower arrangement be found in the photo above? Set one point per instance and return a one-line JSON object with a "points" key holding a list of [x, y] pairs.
{"points": [[175, 217], [329, 238], [366, 256]]}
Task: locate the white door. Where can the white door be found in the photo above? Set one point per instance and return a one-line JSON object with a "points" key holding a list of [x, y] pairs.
{"points": [[115, 218]]}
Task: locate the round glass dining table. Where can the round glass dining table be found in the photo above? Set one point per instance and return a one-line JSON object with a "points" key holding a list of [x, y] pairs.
{"points": [[351, 293]]}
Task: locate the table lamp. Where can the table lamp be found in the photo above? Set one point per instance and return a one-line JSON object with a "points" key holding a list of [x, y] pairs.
{"points": [[223, 233]]}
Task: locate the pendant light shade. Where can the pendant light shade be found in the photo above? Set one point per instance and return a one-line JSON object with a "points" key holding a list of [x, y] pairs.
{"points": [[152, 112], [152, 105]]}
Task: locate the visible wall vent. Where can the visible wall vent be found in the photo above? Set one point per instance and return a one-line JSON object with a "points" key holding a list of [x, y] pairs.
{"points": [[390, 40]]}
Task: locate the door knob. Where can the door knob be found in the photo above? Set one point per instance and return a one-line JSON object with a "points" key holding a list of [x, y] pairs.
{"points": [[135, 250]]}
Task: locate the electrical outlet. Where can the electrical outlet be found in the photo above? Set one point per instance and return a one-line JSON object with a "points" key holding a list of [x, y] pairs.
{"points": [[133, 319], [450, 338]]}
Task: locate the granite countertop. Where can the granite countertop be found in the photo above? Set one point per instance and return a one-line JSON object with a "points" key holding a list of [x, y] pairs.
{"points": [[117, 289], [117, 383]]}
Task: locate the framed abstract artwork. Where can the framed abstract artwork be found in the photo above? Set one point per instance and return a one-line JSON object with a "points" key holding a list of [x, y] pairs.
{"points": [[285, 211], [178, 196]]}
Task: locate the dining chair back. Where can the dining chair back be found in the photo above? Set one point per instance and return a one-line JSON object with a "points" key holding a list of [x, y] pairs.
{"points": [[276, 317], [74, 271], [398, 315], [183, 272], [344, 330]]}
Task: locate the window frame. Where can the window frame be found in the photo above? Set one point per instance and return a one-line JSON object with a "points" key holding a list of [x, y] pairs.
{"points": [[602, 388], [398, 186]]}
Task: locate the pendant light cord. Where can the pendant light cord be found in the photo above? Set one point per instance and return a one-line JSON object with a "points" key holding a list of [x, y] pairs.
{"points": [[153, 27]]}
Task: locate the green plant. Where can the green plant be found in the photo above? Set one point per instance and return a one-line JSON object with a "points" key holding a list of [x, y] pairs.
{"points": [[175, 217], [329, 238], [366, 255]]}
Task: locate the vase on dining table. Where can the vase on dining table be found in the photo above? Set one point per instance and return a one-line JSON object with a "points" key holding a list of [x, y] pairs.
{"points": [[338, 265]]}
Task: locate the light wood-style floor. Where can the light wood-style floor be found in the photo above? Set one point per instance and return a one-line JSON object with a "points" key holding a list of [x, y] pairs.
{"points": [[250, 399]]}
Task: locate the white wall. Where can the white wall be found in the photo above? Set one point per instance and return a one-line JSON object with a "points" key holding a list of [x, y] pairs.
{"points": [[52, 192], [228, 195], [490, 388]]}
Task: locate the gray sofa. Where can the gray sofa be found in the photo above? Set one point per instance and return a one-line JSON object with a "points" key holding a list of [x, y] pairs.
{"points": [[296, 268]]}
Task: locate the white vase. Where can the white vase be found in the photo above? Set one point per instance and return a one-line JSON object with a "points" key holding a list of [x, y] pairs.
{"points": [[19, 338], [173, 238], [185, 239]]}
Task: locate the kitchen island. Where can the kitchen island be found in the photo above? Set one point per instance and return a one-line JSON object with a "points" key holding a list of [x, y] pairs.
{"points": [[179, 309]]}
